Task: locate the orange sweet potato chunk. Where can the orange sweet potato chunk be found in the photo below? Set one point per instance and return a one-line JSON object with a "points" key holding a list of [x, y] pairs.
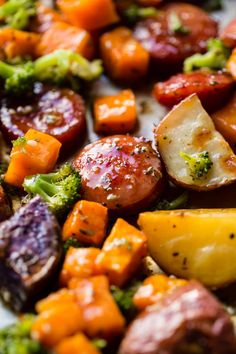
{"points": [[90, 15], [79, 263], [87, 222], [102, 317], [122, 253], [78, 344], [124, 57], [63, 36], [154, 288], [59, 298], [115, 114], [36, 153]]}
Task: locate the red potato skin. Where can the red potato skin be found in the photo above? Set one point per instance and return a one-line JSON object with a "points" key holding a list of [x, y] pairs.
{"points": [[58, 112], [228, 35], [212, 88], [121, 172], [187, 317], [167, 49]]}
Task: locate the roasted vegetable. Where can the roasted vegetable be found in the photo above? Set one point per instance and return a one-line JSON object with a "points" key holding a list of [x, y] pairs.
{"points": [[77, 344], [18, 78], [87, 222], [90, 15], [177, 203], [16, 339], [122, 253], [133, 13], [115, 114], [124, 297], [29, 253], [215, 58], [5, 205], [189, 320], [199, 164], [33, 153], [183, 136], [17, 13], [102, 317], [60, 189], [194, 244]]}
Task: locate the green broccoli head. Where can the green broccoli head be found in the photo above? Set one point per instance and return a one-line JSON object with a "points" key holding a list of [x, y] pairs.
{"points": [[18, 78], [17, 13], [16, 339], [215, 58], [63, 65], [199, 164], [60, 190]]}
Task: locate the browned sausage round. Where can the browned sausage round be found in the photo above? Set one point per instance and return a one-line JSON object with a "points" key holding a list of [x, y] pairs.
{"points": [[189, 320], [122, 172], [211, 88], [169, 48]]}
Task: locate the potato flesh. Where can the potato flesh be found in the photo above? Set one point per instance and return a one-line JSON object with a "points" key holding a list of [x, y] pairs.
{"points": [[193, 244], [188, 128]]}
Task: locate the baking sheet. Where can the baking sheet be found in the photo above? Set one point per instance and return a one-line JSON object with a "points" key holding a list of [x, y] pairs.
{"points": [[150, 114]]}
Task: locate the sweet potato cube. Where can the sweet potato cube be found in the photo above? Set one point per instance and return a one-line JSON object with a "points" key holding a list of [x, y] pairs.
{"points": [[154, 288], [35, 153], [122, 253], [61, 321], [124, 57], [79, 263], [78, 344], [63, 36], [102, 316], [90, 15], [61, 297], [115, 114], [87, 222]]}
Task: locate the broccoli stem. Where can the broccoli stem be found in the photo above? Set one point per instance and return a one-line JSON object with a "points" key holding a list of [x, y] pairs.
{"points": [[179, 202], [6, 70]]}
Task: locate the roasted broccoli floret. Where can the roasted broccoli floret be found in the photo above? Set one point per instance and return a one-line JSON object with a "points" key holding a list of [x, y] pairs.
{"points": [[71, 242], [60, 190], [63, 65], [124, 297], [18, 78], [134, 13], [17, 13], [215, 58], [199, 164], [16, 339], [178, 203]]}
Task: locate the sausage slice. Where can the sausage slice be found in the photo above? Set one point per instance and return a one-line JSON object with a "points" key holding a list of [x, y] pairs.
{"points": [[189, 320], [122, 172]]}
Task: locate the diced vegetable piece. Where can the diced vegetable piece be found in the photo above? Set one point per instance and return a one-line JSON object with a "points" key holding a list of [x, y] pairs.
{"points": [[77, 344], [79, 263], [215, 58], [59, 189], [61, 297], [154, 288], [198, 244], [87, 222], [231, 64], [57, 323], [102, 317], [44, 18], [16, 43], [122, 253], [189, 320], [30, 251], [124, 57], [90, 15], [224, 120], [17, 13], [228, 35], [195, 154], [115, 114], [34, 153], [60, 35]]}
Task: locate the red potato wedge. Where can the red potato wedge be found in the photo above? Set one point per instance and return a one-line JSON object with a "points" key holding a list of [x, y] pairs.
{"points": [[189, 129]]}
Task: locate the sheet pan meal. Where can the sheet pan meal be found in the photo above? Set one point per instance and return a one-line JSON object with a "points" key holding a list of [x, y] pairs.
{"points": [[100, 249]]}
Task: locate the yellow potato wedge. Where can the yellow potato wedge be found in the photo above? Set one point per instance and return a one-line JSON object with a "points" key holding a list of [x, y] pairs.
{"points": [[189, 129], [198, 244]]}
